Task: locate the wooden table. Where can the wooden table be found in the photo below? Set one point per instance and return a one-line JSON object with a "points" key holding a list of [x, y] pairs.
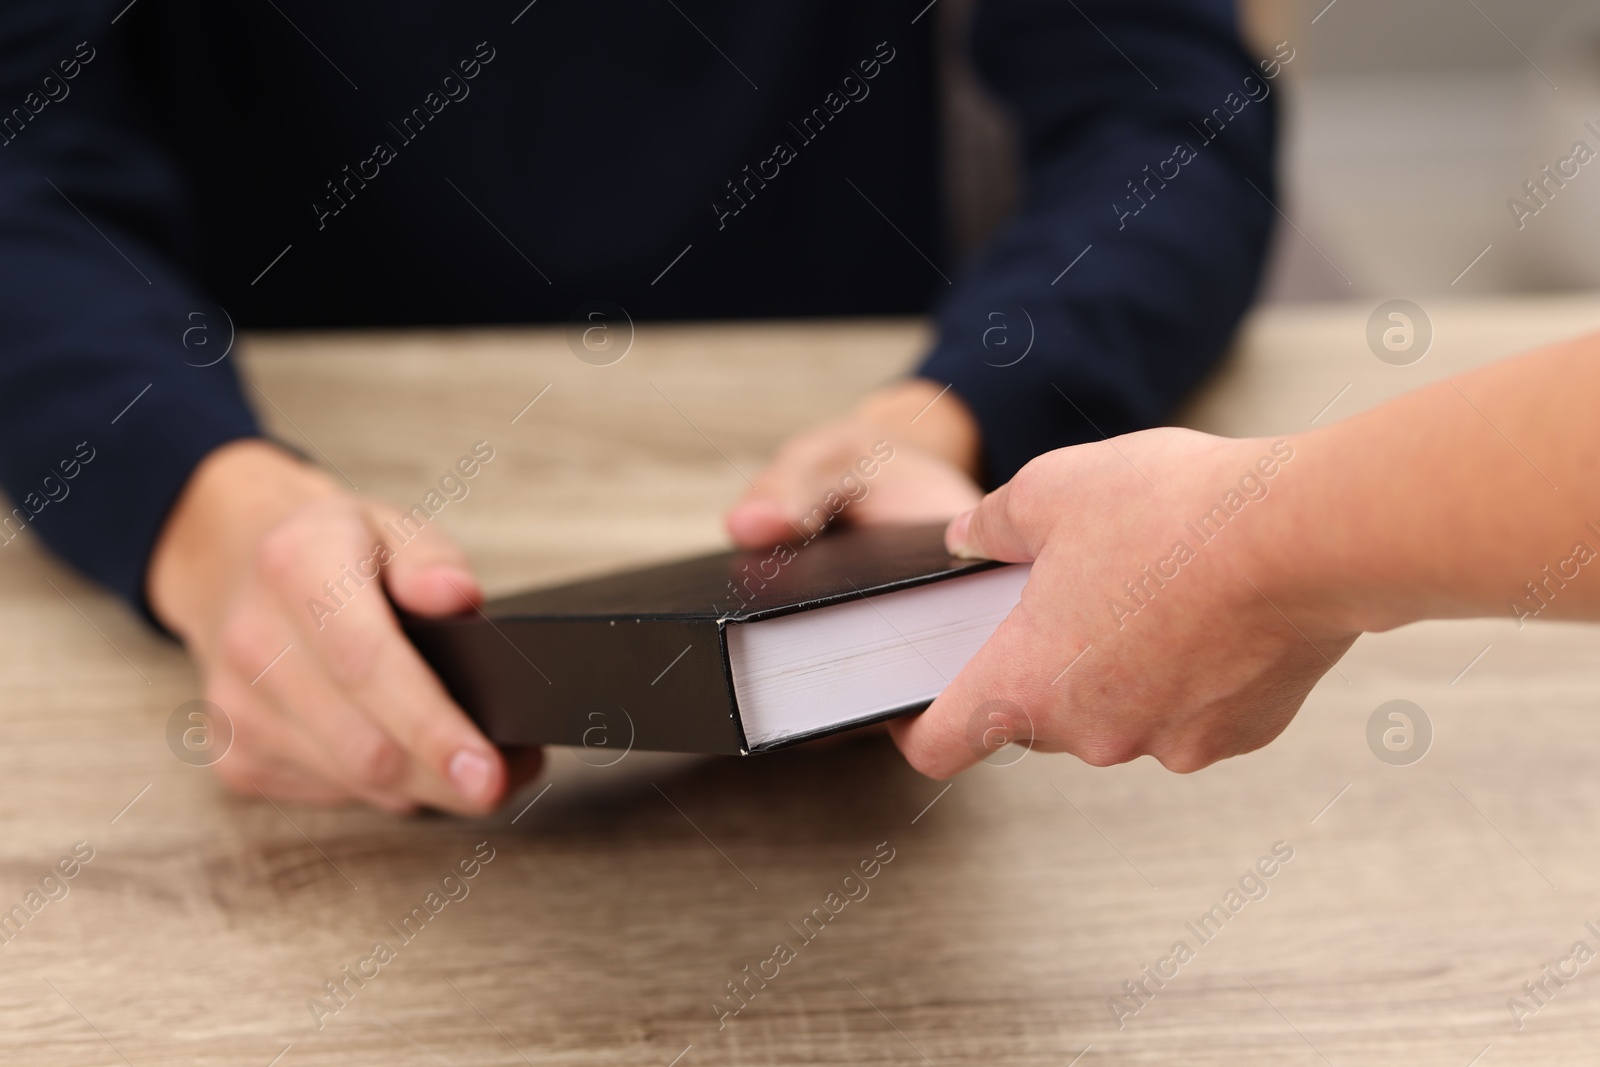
{"points": [[620, 904]]}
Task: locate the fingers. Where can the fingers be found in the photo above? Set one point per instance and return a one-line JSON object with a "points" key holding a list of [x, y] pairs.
{"points": [[789, 497], [287, 729], [958, 729], [847, 472], [359, 665], [1183, 657], [276, 584], [350, 749], [1008, 692], [269, 755], [431, 576], [757, 520]]}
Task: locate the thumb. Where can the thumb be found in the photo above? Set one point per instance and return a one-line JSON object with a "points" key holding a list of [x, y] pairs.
{"points": [[998, 528], [424, 570]]}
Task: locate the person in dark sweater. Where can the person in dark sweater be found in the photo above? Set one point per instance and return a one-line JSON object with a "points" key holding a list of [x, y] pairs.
{"points": [[299, 165]]}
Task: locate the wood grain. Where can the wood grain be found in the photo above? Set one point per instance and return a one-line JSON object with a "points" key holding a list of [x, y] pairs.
{"points": [[619, 904]]}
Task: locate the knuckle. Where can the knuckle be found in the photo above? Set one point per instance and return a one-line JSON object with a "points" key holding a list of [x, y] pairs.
{"points": [[280, 552], [373, 759], [353, 652], [1026, 501], [241, 643], [1032, 470], [1186, 760], [1110, 750]]}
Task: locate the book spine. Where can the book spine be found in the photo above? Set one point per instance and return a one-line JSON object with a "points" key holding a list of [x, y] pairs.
{"points": [[734, 711], [607, 685]]}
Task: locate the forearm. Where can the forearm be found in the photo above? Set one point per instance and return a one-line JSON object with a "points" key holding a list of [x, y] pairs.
{"points": [[1463, 499], [1115, 288], [110, 351]]}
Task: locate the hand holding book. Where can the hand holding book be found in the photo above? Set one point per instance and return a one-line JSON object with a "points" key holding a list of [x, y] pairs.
{"points": [[1188, 591], [1140, 631], [327, 705]]}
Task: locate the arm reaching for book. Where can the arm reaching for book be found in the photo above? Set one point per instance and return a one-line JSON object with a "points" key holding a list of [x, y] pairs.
{"points": [[1189, 590], [327, 706], [1038, 349]]}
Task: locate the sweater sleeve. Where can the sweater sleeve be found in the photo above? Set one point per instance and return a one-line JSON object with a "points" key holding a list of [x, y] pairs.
{"points": [[1147, 135], [113, 383]]}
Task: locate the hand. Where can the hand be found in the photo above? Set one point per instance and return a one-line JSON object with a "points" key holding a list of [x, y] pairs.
{"points": [[920, 443], [1190, 654], [328, 705]]}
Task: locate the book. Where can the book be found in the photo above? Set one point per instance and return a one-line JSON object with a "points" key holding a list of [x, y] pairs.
{"points": [[729, 653]]}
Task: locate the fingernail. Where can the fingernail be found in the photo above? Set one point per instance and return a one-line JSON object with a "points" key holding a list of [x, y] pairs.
{"points": [[758, 521], [461, 581], [955, 536], [469, 773], [766, 506]]}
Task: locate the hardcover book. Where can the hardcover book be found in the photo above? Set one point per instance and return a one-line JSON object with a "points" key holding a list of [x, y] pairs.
{"points": [[728, 653]]}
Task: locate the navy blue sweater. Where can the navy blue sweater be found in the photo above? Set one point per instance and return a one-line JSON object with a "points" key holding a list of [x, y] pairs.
{"points": [[168, 165]]}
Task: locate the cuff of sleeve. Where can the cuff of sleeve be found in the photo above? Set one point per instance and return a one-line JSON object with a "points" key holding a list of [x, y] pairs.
{"points": [[1027, 408], [129, 476]]}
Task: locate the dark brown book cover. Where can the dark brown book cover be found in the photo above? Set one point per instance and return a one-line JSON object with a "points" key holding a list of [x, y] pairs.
{"points": [[645, 653]]}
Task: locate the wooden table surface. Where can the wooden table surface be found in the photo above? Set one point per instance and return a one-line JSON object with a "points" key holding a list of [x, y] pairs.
{"points": [[618, 907]]}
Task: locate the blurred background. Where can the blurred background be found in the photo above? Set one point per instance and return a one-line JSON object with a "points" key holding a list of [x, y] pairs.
{"points": [[1411, 123], [1407, 127]]}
